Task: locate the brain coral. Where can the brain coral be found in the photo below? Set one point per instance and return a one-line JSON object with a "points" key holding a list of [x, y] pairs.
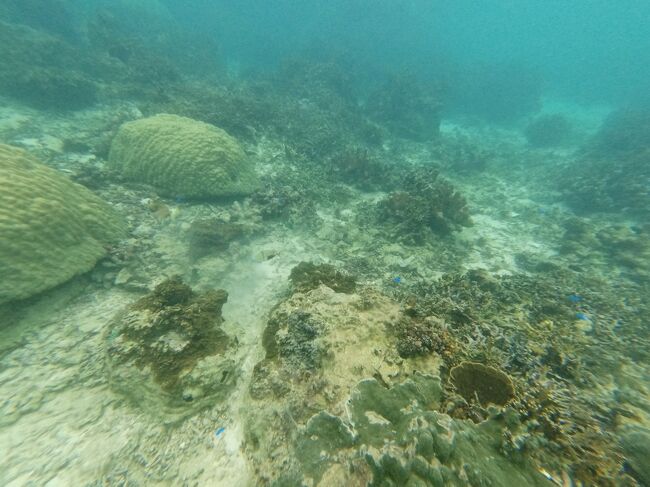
{"points": [[182, 157], [51, 228]]}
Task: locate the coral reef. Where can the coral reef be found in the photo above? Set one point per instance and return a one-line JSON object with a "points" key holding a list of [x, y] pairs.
{"points": [[590, 184], [407, 107], [288, 201], [167, 353], [419, 338], [311, 127], [45, 71], [344, 409], [143, 61], [404, 441], [396, 364], [52, 89], [355, 165], [557, 348], [54, 16], [624, 132], [52, 229], [501, 93], [551, 130], [182, 158], [636, 445], [322, 82], [307, 276], [460, 153], [296, 341], [625, 246], [425, 203]]}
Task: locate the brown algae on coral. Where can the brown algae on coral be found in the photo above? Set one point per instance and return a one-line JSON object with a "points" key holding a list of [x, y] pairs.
{"points": [[167, 352], [485, 384]]}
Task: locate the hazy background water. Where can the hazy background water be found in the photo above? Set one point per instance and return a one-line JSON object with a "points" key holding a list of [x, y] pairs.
{"points": [[584, 50], [587, 50]]}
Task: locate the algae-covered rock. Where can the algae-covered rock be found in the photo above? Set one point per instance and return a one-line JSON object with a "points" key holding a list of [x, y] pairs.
{"points": [[182, 157], [51, 229], [636, 447], [167, 352], [307, 275], [476, 381], [209, 235]]}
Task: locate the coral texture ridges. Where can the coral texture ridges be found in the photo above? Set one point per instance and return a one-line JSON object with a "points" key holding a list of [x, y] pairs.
{"points": [[182, 157], [52, 228]]}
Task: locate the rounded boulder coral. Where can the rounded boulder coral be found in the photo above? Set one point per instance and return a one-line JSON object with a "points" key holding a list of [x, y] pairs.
{"points": [[182, 157], [51, 228]]}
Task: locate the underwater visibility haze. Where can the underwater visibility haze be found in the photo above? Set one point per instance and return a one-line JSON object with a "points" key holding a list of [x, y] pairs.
{"points": [[324, 243]]}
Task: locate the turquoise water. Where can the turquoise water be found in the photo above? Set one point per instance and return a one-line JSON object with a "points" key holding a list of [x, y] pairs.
{"points": [[324, 243]]}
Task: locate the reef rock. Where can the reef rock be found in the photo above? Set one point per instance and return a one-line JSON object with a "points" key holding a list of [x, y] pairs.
{"points": [[182, 157], [167, 353], [52, 228], [307, 276], [332, 403]]}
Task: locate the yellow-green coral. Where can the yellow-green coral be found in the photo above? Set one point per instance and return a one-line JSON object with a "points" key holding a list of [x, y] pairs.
{"points": [[51, 228], [182, 157]]}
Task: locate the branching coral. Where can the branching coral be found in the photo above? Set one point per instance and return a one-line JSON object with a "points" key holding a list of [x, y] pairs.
{"points": [[557, 347], [424, 203]]}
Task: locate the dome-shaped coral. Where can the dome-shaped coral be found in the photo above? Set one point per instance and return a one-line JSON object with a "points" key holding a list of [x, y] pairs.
{"points": [[51, 228], [182, 157]]}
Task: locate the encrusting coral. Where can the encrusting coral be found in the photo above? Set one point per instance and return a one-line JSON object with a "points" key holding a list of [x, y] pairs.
{"points": [[182, 157], [52, 228]]}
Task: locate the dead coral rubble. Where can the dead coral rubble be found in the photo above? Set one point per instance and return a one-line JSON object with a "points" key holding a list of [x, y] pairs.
{"points": [[210, 235]]}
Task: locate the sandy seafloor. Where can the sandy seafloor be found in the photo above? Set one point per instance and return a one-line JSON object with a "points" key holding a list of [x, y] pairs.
{"points": [[60, 423]]}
